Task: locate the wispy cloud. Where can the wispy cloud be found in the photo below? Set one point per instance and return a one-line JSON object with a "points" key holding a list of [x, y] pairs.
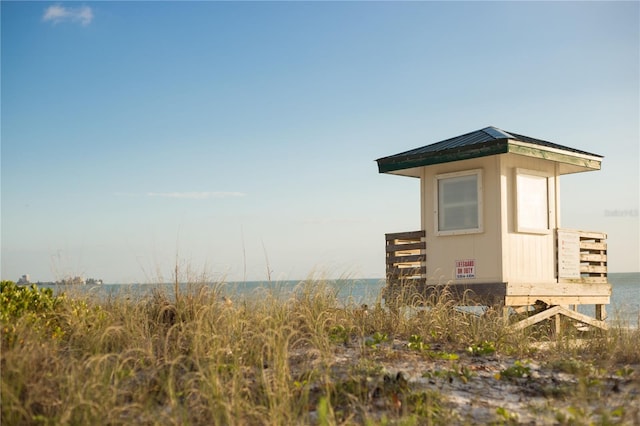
{"points": [[57, 13], [195, 195], [183, 195]]}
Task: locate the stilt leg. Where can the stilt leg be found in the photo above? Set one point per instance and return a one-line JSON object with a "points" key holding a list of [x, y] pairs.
{"points": [[601, 312], [505, 314]]}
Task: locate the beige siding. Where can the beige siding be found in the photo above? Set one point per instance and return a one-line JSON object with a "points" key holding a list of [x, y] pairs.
{"points": [[500, 252], [527, 257], [485, 247]]}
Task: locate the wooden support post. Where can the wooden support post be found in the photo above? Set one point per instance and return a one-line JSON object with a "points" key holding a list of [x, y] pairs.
{"points": [[505, 315], [601, 312], [558, 325]]}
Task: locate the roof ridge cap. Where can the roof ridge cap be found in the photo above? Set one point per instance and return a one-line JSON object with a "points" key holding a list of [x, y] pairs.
{"points": [[497, 133]]}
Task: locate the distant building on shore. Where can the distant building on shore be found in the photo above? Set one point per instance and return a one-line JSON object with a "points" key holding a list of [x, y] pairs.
{"points": [[78, 280], [24, 279]]}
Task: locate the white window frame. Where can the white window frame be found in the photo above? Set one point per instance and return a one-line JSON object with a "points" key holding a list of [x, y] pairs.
{"points": [[526, 207], [480, 197]]}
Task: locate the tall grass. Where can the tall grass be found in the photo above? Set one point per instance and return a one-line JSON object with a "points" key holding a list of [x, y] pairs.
{"points": [[198, 358]]}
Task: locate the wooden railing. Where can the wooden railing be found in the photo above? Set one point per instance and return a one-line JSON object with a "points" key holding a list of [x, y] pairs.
{"points": [[405, 257], [591, 257]]}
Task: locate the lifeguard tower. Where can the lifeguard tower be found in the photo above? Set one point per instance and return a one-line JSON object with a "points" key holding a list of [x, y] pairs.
{"points": [[490, 219]]}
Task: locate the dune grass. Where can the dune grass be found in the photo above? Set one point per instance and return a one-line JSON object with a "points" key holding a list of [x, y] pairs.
{"points": [[203, 357]]}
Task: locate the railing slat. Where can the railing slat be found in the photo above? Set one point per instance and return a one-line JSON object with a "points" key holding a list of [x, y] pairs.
{"points": [[411, 235], [589, 257], [590, 235], [591, 269], [410, 270], [404, 247], [406, 259], [588, 245]]}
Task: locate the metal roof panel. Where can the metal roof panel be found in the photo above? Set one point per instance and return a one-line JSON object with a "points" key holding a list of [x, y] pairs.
{"points": [[487, 141]]}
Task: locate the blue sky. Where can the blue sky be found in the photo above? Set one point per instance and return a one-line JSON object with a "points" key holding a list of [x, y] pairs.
{"points": [[241, 137]]}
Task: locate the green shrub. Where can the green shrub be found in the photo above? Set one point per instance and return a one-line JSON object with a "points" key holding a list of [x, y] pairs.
{"points": [[17, 300], [34, 305]]}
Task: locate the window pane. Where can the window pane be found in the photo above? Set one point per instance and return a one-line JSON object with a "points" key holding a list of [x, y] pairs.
{"points": [[458, 203]]}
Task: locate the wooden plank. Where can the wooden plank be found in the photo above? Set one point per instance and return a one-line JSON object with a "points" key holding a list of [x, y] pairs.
{"points": [[595, 280], [558, 289], [557, 300], [394, 273], [584, 280], [589, 257], [590, 235], [534, 319], [402, 247], [589, 245], [593, 269], [409, 235], [406, 259], [601, 312], [404, 253], [421, 270]]}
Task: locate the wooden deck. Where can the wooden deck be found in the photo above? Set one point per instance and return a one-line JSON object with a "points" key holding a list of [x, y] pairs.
{"points": [[581, 279]]}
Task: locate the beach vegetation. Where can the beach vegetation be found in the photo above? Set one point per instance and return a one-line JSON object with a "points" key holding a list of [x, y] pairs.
{"points": [[203, 355], [376, 339], [482, 349], [506, 417], [416, 343], [518, 370]]}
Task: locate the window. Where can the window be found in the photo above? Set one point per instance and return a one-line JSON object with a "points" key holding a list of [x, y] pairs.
{"points": [[459, 203], [532, 201]]}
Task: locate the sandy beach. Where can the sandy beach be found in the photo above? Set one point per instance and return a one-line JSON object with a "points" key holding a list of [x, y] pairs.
{"points": [[488, 389]]}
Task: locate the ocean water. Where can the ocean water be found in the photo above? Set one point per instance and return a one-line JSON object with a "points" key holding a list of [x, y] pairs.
{"points": [[624, 307], [625, 299]]}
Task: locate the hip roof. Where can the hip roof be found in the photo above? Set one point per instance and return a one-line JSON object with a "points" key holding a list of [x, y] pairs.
{"points": [[480, 143]]}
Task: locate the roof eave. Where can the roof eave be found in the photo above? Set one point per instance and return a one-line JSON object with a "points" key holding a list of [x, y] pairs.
{"points": [[401, 162], [577, 162]]}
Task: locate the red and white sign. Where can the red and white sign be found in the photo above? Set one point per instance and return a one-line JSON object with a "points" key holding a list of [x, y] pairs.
{"points": [[465, 269]]}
